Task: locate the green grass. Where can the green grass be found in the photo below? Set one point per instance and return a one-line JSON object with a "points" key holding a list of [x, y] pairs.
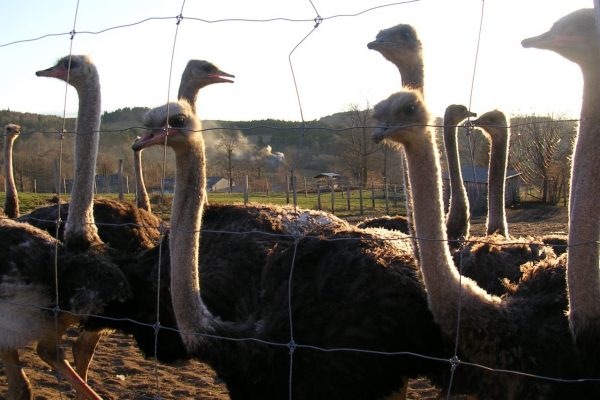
{"points": [[30, 201]]}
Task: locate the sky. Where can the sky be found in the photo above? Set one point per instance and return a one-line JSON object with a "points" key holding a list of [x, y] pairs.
{"points": [[332, 66]]}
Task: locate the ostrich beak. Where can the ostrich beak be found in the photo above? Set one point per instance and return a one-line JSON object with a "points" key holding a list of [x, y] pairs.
{"points": [[51, 72], [472, 114], [379, 134], [221, 76], [154, 137]]}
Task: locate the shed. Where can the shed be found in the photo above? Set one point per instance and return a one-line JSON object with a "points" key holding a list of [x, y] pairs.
{"points": [[476, 184], [217, 183]]}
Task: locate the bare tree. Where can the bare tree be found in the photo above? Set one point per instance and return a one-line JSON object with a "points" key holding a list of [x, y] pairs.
{"points": [[540, 146], [359, 149], [227, 145]]}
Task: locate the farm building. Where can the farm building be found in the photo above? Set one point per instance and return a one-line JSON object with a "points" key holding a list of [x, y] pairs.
{"points": [[217, 184], [476, 184]]}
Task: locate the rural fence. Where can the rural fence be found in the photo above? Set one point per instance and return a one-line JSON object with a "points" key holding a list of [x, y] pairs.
{"points": [[326, 196]]}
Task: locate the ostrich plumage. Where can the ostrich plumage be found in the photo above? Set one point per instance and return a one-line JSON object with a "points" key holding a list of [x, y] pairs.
{"points": [[11, 201], [342, 294], [521, 330], [575, 37], [32, 261]]}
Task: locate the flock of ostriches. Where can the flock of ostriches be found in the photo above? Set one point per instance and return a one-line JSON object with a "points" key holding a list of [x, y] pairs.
{"points": [[306, 278]]}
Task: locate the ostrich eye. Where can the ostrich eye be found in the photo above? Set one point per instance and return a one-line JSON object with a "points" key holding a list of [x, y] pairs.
{"points": [[409, 109], [177, 121]]}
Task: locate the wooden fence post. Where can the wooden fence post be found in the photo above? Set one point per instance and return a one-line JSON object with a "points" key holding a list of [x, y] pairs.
{"points": [[372, 194], [348, 197], [387, 196], [35, 186], [120, 180], [287, 189], [305, 188], [267, 181], [332, 188], [318, 197], [246, 191], [360, 198]]}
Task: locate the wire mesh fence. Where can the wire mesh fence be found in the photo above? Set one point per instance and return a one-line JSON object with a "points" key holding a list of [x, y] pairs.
{"points": [[286, 252]]}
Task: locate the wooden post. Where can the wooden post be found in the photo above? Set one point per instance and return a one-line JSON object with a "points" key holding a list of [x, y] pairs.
{"points": [[64, 182], [318, 197], [360, 198], [331, 187], [294, 190], [127, 183], [246, 191], [305, 188], [107, 182], [35, 186], [267, 181], [55, 168], [387, 196], [287, 189], [348, 197], [372, 194], [395, 196], [120, 180]]}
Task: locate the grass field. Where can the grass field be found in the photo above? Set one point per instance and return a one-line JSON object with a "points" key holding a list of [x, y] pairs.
{"points": [[370, 206]]}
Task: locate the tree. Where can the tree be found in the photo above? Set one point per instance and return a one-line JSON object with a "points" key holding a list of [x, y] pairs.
{"points": [[540, 147], [227, 145], [358, 146]]}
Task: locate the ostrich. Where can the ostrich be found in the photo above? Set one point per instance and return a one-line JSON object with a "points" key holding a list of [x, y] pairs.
{"points": [[401, 46], [495, 128], [457, 219], [519, 331], [11, 202], [196, 75], [32, 261], [495, 260], [328, 273], [575, 37], [142, 200]]}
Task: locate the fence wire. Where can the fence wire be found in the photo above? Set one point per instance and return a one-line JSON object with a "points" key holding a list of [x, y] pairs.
{"points": [[292, 345]]}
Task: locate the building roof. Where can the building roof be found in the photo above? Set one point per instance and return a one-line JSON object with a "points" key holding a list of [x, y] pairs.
{"points": [[327, 175]]}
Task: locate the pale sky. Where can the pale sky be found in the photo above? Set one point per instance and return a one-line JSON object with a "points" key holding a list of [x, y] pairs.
{"points": [[333, 66]]}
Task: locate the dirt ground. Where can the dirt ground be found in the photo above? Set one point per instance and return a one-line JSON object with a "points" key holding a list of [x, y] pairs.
{"points": [[119, 371]]}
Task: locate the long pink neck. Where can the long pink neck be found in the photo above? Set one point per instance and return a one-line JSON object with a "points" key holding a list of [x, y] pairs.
{"points": [[188, 202], [141, 195], [583, 272], [457, 220], [80, 229], [11, 202], [496, 221], [441, 278]]}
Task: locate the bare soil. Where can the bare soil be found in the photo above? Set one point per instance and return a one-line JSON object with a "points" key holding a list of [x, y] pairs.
{"points": [[119, 371]]}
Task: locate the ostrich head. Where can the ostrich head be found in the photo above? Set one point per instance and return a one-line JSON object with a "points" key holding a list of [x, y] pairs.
{"points": [[494, 123], [456, 113], [201, 73], [74, 69], [398, 44], [402, 116], [574, 36], [12, 130], [173, 124]]}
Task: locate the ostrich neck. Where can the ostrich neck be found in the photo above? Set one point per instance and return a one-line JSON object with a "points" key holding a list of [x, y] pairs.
{"points": [[189, 91], [412, 75], [188, 202], [441, 278], [11, 202], [583, 275], [141, 195], [80, 229], [458, 213], [496, 174]]}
